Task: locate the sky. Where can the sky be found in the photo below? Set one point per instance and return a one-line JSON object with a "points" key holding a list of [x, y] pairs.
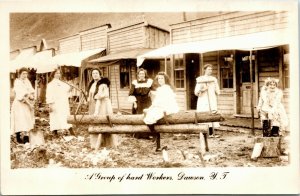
{"points": [[28, 29]]}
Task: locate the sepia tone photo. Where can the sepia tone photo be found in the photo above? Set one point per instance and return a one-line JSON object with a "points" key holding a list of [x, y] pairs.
{"points": [[152, 96]]}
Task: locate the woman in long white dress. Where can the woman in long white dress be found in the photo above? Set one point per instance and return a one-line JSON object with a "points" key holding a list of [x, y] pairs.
{"points": [[22, 110], [163, 103], [57, 96], [206, 90]]}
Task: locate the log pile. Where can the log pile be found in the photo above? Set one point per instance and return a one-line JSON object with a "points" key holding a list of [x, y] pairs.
{"points": [[188, 122], [181, 122]]}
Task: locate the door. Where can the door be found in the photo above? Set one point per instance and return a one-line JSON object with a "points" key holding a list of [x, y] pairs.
{"points": [[244, 82], [192, 72]]}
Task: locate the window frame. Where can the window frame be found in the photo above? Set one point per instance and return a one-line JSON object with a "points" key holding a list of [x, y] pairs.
{"points": [[127, 65], [227, 63], [181, 59]]}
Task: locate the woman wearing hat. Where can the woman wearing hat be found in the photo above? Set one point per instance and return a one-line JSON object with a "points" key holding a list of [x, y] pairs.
{"points": [[22, 110], [272, 112]]}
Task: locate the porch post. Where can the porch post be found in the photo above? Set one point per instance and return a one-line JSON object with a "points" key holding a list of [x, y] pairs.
{"points": [[165, 64], [251, 94]]}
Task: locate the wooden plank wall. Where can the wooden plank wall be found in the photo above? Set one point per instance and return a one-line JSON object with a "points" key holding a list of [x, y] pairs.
{"points": [[115, 84], [155, 38], [268, 64], [231, 24], [181, 99], [225, 99], [69, 44], [126, 38], [94, 38]]}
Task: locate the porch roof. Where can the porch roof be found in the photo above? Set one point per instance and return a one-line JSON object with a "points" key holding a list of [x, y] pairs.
{"points": [[254, 41], [18, 62], [75, 58], [128, 54]]}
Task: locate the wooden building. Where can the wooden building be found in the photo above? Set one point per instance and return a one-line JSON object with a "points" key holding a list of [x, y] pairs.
{"points": [[75, 51], [225, 41], [124, 44]]}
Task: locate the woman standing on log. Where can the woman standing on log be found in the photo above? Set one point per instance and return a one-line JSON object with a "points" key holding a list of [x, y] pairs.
{"points": [[139, 96], [22, 110], [206, 90], [272, 112], [100, 104], [57, 96], [164, 103]]}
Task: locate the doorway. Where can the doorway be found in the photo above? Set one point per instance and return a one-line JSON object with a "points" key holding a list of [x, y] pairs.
{"points": [[192, 72], [243, 82]]}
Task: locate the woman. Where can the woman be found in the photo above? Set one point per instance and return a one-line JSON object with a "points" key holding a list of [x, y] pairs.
{"points": [[139, 96], [96, 76], [100, 104], [57, 96], [163, 103], [22, 110], [206, 90], [272, 112]]}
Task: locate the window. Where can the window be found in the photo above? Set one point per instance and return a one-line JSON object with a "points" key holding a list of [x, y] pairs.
{"points": [[226, 72], [286, 75], [124, 74], [179, 71]]}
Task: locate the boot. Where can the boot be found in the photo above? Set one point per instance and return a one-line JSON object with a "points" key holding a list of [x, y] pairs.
{"points": [[26, 139], [158, 148], [275, 131], [210, 131], [71, 131], [19, 140], [156, 136], [266, 128]]}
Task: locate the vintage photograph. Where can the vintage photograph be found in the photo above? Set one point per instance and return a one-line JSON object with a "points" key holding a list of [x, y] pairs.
{"points": [[166, 90]]}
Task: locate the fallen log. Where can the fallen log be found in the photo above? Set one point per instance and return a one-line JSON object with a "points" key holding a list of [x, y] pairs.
{"points": [[183, 117], [175, 128]]}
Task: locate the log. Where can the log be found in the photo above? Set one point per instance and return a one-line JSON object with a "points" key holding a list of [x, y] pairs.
{"points": [[121, 129], [271, 146], [183, 117]]}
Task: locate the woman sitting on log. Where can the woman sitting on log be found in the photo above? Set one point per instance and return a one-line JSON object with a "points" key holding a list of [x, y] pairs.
{"points": [[164, 103], [22, 109], [100, 104], [272, 112], [139, 96]]}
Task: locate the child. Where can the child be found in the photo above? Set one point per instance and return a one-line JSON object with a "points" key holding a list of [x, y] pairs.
{"points": [[163, 103], [272, 112]]}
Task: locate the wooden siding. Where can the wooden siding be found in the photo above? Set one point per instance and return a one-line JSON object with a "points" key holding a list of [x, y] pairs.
{"points": [[211, 58], [268, 64], [231, 24], [181, 99], [126, 38], [286, 101], [122, 94], [94, 38], [69, 44], [226, 102], [155, 38]]}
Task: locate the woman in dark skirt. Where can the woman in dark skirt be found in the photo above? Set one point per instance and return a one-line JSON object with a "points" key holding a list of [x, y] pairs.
{"points": [[139, 96]]}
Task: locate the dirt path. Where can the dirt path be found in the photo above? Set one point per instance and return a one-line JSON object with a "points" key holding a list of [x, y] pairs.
{"points": [[232, 149]]}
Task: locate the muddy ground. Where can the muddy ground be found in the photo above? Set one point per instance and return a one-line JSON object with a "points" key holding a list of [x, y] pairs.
{"points": [[231, 149]]}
